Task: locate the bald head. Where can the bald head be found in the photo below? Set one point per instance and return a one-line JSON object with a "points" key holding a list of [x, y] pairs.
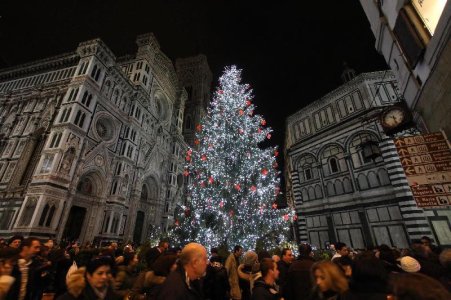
{"points": [[194, 259]]}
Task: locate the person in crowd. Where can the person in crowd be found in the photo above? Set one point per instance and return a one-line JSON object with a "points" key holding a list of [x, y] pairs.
{"points": [[275, 258], [248, 273], [214, 252], [408, 264], [341, 250], [445, 261], [216, 282], [42, 273], [184, 282], [427, 242], [126, 274], [149, 283], [416, 286], [298, 282], [153, 253], [387, 256], [2, 243], [49, 244], [369, 280], [24, 271], [15, 241], [93, 282], [265, 287], [231, 264], [61, 263], [429, 262], [283, 265], [346, 265], [8, 258], [329, 282]]}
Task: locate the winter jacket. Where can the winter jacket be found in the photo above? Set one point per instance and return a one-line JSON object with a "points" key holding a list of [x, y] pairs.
{"points": [[247, 280], [298, 281], [216, 283], [232, 271], [263, 291], [176, 287]]}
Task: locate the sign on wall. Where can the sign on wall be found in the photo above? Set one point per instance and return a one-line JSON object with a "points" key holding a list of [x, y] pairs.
{"points": [[426, 160]]}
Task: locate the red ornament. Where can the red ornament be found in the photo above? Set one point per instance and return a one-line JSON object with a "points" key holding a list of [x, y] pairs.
{"points": [[241, 112], [177, 223], [268, 136], [220, 92], [264, 172], [210, 180], [221, 204], [275, 165], [274, 205], [237, 187], [188, 158], [185, 173], [263, 122], [241, 131], [189, 152], [259, 130], [248, 102], [199, 127], [276, 153], [203, 157], [196, 142], [202, 184], [295, 217], [253, 189], [285, 217], [231, 213]]}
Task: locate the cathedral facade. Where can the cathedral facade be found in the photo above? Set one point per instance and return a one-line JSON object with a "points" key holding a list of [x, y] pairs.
{"points": [[344, 175], [93, 146]]}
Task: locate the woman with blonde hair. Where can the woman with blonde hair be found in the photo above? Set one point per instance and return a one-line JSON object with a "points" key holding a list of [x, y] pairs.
{"points": [[329, 281]]}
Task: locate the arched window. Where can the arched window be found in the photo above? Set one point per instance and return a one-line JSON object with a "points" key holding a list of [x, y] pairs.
{"points": [[44, 214], [333, 160], [318, 192], [373, 180], [93, 72], [338, 187], [311, 193], [28, 211], [363, 182], [307, 169], [383, 177], [330, 189], [333, 165], [347, 185], [305, 196], [144, 193]]}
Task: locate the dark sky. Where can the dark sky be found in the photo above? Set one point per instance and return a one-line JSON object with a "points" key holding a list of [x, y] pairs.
{"points": [[291, 52]]}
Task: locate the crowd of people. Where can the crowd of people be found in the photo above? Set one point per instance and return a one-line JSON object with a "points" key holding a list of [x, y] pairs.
{"points": [[31, 269]]}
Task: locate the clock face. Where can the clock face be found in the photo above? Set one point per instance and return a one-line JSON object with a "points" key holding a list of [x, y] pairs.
{"points": [[393, 117]]}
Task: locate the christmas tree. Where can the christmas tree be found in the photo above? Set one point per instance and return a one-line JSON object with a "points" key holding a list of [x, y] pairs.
{"points": [[233, 182]]}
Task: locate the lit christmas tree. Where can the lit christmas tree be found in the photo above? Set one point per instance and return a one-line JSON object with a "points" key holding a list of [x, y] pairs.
{"points": [[234, 183]]}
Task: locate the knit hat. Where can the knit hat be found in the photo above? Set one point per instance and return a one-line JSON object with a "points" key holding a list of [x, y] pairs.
{"points": [[249, 259], [409, 264]]}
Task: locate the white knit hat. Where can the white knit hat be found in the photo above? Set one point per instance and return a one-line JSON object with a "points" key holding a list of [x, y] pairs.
{"points": [[409, 264]]}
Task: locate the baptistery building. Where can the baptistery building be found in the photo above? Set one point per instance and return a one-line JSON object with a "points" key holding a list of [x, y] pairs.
{"points": [[92, 146]]}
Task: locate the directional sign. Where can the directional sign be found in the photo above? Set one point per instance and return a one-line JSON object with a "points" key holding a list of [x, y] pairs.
{"points": [[426, 160]]}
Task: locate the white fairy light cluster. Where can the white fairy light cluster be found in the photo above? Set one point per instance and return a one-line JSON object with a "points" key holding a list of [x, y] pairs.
{"points": [[234, 183]]}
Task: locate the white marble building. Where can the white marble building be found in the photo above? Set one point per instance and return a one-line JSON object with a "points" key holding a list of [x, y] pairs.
{"points": [[339, 194], [92, 146]]}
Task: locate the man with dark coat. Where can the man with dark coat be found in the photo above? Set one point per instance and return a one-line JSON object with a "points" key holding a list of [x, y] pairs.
{"points": [[298, 282], [153, 253], [185, 282], [265, 287], [283, 265], [24, 271]]}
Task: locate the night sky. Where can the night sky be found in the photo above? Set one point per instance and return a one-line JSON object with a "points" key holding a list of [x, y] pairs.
{"points": [[291, 52]]}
